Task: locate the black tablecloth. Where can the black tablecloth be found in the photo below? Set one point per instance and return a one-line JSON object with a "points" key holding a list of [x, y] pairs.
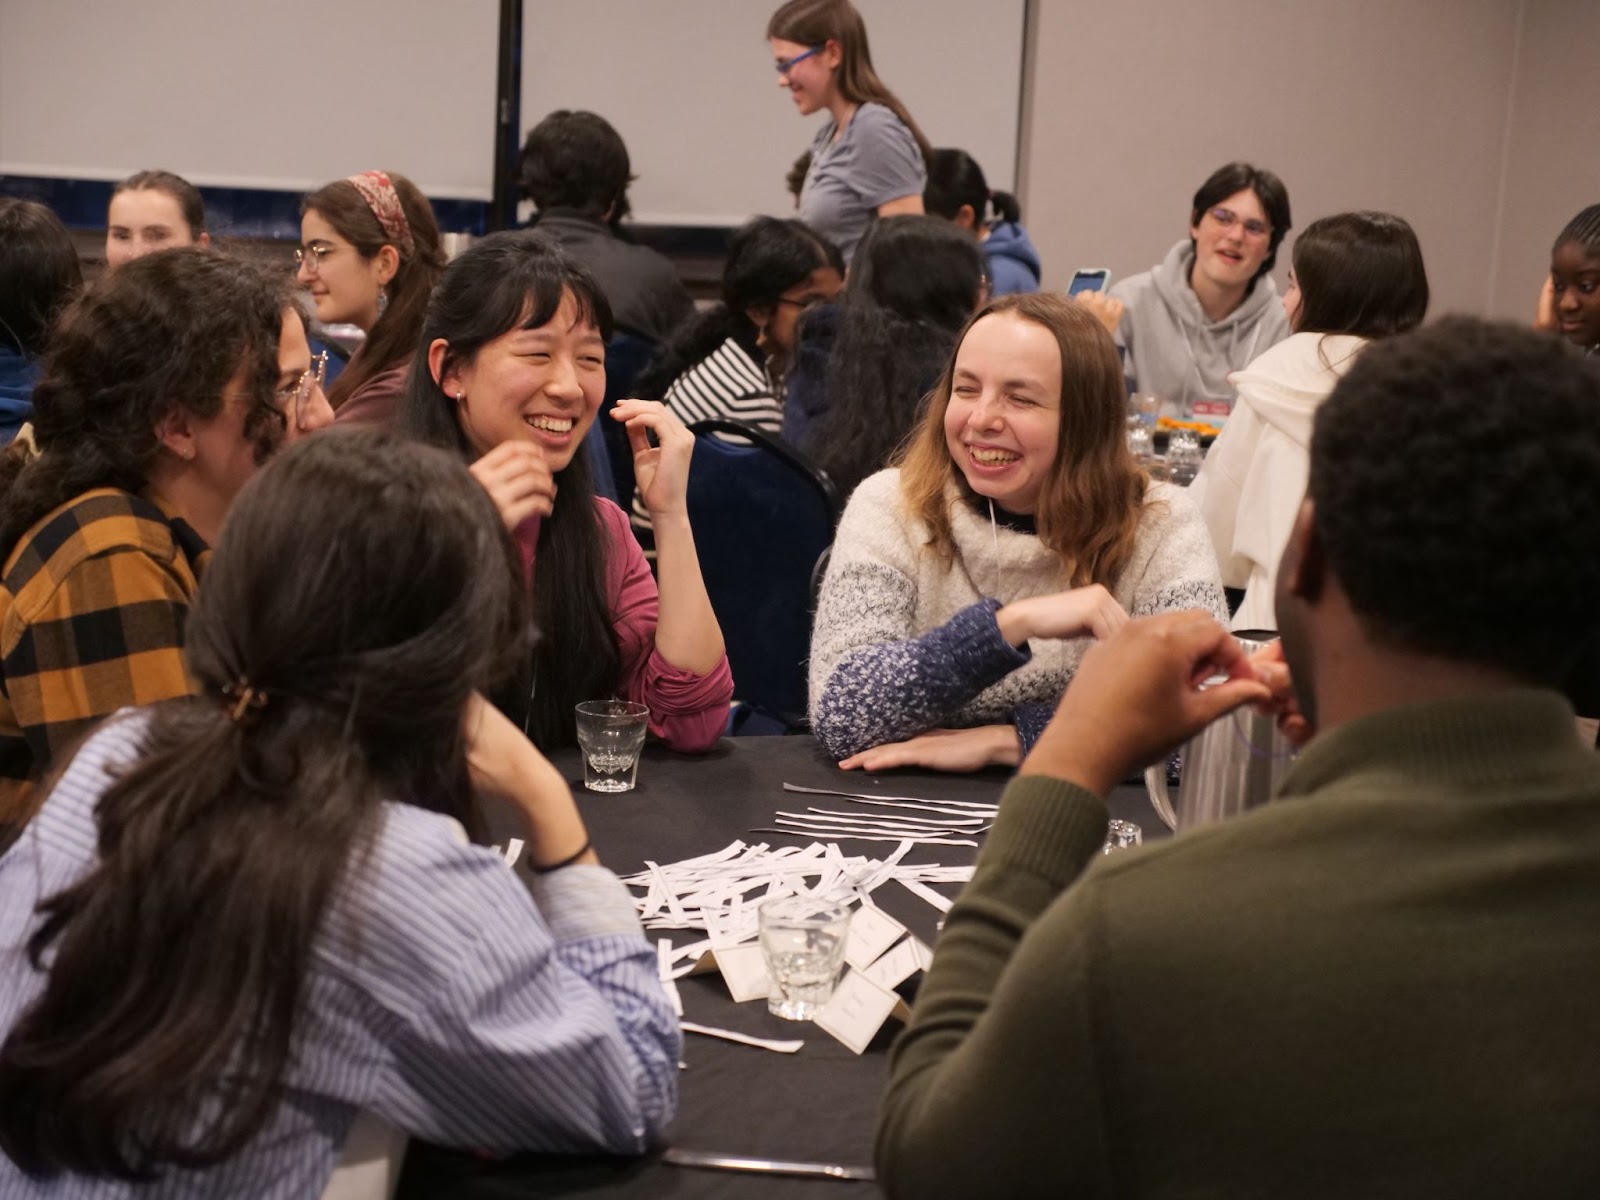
{"points": [[818, 1105]]}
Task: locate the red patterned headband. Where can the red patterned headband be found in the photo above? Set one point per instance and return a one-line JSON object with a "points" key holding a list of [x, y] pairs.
{"points": [[384, 202]]}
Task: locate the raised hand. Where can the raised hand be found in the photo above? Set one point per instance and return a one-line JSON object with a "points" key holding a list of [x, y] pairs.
{"points": [[1107, 310], [1272, 670], [1137, 696], [518, 480], [661, 470], [1544, 313], [504, 764], [1082, 612]]}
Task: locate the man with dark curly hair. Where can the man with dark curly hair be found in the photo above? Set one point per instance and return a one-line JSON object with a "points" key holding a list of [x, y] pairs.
{"points": [[1384, 982], [575, 169]]}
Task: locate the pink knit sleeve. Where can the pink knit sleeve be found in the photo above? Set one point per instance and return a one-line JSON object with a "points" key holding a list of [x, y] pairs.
{"points": [[687, 711]]}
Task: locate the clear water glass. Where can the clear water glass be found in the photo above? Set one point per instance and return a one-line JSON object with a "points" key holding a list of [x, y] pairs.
{"points": [[1120, 835], [1141, 440], [610, 735], [802, 942], [1184, 456]]}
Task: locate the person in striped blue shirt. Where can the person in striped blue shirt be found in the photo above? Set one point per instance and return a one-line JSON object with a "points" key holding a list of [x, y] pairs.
{"points": [[244, 919]]}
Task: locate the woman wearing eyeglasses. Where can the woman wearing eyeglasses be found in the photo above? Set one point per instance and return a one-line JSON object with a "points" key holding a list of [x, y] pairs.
{"points": [[869, 159], [1210, 306], [165, 386], [369, 255]]}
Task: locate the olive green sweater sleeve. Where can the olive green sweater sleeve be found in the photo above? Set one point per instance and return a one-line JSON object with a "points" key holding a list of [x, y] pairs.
{"points": [[998, 1059]]}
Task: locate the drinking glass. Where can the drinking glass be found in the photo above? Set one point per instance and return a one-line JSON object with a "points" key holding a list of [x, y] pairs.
{"points": [[1122, 834], [611, 734], [1183, 453], [802, 941], [1140, 443]]}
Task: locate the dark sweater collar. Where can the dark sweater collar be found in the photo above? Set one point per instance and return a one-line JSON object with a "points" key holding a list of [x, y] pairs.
{"points": [[1016, 522], [1465, 741]]}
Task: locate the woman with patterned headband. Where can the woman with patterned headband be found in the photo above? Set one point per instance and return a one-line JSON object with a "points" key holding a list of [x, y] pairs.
{"points": [[369, 255]]}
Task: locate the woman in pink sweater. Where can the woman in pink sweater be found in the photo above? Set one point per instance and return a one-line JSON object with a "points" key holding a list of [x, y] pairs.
{"points": [[514, 349]]}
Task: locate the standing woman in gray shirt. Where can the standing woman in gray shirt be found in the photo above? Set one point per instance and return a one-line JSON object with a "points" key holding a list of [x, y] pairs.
{"points": [[869, 159]]}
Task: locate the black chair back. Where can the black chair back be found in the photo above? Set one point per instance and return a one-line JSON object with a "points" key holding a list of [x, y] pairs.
{"points": [[627, 355], [761, 516]]}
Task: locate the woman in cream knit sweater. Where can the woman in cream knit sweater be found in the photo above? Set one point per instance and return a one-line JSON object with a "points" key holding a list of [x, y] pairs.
{"points": [[965, 583]]}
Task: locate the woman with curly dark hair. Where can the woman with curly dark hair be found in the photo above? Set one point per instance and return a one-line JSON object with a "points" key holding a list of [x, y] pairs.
{"points": [[914, 285], [166, 385]]}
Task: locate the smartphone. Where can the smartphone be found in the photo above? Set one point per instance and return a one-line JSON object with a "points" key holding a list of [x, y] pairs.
{"points": [[1089, 279]]}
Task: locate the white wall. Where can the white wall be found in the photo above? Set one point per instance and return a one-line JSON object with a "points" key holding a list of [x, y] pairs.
{"points": [[1398, 105], [690, 87], [283, 94]]}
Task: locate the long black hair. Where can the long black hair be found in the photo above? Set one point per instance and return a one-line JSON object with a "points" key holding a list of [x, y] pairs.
{"points": [[766, 257], [178, 965], [913, 286], [167, 331], [510, 281], [955, 180]]}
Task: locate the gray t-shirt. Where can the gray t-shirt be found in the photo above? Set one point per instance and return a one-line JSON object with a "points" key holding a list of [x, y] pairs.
{"points": [[877, 160]]}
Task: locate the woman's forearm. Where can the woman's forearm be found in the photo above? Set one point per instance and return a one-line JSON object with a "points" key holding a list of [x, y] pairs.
{"points": [[687, 633]]}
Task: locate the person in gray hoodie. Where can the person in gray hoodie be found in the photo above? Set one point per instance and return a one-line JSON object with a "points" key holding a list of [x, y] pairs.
{"points": [[1356, 277], [1210, 306]]}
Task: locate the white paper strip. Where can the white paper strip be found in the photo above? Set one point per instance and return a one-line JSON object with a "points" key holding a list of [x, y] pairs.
{"points": [[924, 892], [971, 804], [867, 837], [744, 1039]]}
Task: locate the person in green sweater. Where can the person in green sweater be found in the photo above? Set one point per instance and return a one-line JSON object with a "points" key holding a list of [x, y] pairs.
{"points": [[1382, 984]]}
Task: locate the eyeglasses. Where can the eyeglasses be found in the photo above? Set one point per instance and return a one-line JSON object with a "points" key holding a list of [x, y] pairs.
{"points": [[293, 399], [785, 65], [311, 257], [1227, 218]]}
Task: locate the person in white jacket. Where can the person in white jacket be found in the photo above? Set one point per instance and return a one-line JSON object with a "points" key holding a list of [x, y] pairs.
{"points": [[1355, 277]]}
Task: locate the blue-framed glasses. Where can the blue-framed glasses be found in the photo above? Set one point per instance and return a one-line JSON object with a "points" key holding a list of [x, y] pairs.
{"points": [[785, 65]]}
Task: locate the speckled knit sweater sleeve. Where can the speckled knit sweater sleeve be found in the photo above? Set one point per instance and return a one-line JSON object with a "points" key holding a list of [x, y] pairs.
{"points": [[902, 645], [875, 677], [897, 689]]}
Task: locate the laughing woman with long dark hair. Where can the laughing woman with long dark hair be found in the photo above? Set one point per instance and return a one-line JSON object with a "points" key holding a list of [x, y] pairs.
{"points": [[510, 375], [242, 918]]}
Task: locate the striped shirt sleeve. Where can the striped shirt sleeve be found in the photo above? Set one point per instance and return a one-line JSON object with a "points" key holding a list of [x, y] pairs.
{"points": [[521, 1021]]}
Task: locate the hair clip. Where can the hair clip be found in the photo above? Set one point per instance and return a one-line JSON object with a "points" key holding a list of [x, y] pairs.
{"points": [[245, 698]]}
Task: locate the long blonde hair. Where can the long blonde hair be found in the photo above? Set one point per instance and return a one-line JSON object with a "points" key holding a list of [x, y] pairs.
{"points": [[1094, 494], [817, 22]]}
